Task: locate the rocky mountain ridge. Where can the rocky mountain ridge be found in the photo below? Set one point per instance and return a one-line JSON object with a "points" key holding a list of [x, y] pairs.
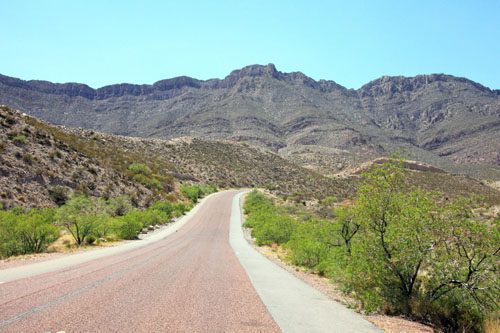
{"points": [[450, 122]]}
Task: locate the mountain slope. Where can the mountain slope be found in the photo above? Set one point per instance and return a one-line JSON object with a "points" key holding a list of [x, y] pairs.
{"points": [[450, 122], [40, 162]]}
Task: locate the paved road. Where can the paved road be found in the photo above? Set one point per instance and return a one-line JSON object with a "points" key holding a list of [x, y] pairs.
{"points": [[190, 281]]}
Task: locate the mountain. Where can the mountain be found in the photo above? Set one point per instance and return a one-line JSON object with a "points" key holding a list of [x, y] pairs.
{"points": [[450, 122]]}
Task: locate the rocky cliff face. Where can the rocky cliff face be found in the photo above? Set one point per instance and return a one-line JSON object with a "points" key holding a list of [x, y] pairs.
{"points": [[440, 119]]}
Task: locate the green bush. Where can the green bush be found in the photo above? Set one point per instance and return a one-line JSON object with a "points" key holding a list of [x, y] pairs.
{"points": [[9, 243], [164, 206], [35, 230], [119, 206], [21, 139], [311, 242], [276, 229], [268, 226], [128, 226], [149, 182], [138, 168], [59, 194], [195, 192], [86, 218], [26, 231]]}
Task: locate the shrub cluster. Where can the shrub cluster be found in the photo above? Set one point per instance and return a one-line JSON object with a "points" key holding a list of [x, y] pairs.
{"points": [[142, 174], [197, 191], [396, 249], [87, 219], [268, 224], [26, 231]]}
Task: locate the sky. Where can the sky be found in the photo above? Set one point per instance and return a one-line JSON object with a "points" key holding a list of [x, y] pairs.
{"points": [[351, 42]]}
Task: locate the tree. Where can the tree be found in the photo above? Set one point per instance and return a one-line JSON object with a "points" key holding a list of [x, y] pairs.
{"points": [[398, 235], [79, 216], [422, 257], [467, 258]]}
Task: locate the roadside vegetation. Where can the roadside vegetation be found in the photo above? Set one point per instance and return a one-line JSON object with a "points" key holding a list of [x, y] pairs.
{"points": [[195, 192], [88, 220], [396, 249]]}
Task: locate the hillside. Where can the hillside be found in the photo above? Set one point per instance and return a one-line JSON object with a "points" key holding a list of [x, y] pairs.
{"points": [[40, 163], [450, 122]]}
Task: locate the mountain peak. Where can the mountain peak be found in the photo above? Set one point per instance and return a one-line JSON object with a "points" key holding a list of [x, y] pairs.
{"points": [[255, 70]]}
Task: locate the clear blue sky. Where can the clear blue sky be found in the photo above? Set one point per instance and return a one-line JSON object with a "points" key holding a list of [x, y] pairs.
{"points": [[350, 42]]}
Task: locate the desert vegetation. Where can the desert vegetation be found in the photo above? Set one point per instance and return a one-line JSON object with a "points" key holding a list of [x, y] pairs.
{"points": [[89, 220], [196, 191], [397, 249]]}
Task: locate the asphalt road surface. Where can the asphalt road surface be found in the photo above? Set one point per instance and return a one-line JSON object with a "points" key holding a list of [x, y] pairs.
{"points": [[190, 281]]}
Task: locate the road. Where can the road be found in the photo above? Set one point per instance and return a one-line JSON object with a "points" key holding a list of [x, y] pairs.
{"points": [[201, 278]]}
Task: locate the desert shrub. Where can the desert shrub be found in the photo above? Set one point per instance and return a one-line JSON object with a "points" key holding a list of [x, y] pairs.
{"points": [[28, 158], [138, 168], [80, 216], [275, 229], [26, 231], [311, 242], [9, 244], [419, 256], [153, 217], [20, 139], [119, 206], [329, 201], [59, 194], [147, 181], [163, 206], [195, 192], [90, 239], [268, 226], [128, 226], [181, 208], [35, 230]]}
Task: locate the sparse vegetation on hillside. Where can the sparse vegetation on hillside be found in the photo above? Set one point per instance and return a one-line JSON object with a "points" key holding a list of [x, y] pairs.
{"points": [[420, 255], [39, 167]]}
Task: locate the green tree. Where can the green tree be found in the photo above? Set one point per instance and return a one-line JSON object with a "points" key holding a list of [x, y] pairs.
{"points": [[80, 216], [398, 236]]}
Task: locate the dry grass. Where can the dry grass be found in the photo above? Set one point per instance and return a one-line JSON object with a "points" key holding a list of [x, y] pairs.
{"points": [[492, 325]]}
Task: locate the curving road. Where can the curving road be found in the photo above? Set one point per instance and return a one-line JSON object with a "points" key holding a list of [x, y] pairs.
{"points": [[190, 281]]}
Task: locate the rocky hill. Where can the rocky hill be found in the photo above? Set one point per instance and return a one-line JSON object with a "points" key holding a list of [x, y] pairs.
{"points": [[452, 123], [40, 170], [41, 164]]}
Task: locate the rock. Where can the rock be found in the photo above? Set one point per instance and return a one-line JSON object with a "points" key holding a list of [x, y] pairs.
{"points": [[151, 227]]}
